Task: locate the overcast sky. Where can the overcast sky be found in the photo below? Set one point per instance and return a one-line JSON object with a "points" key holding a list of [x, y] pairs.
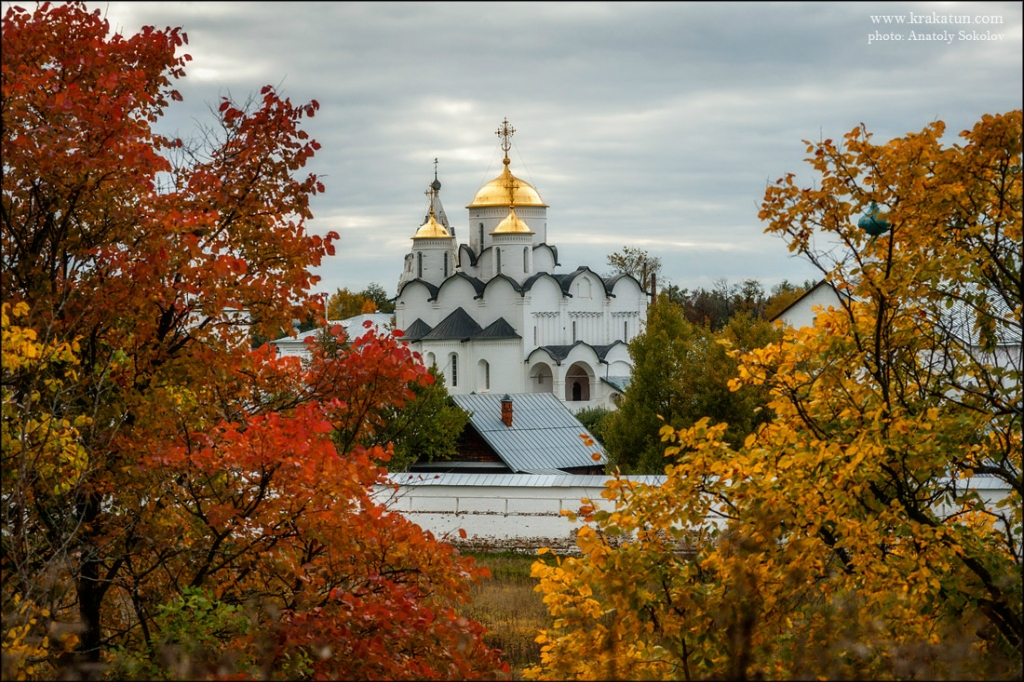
{"points": [[654, 125]]}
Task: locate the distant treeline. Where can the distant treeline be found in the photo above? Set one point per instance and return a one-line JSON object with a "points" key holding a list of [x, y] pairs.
{"points": [[715, 307]]}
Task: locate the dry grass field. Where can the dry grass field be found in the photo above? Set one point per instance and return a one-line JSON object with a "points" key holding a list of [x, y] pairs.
{"points": [[507, 606]]}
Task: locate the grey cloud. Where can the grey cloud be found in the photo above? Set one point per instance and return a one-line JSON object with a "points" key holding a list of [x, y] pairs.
{"points": [[659, 123]]}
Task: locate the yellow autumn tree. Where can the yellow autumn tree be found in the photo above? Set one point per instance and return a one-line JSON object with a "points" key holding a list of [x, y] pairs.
{"points": [[41, 451], [873, 528]]}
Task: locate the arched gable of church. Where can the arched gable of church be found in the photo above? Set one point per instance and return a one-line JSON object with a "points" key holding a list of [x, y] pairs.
{"points": [[616, 358], [467, 257], [627, 308], [586, 290], [502, 297], [544, 290], [413, 302], [416, 291], [485, 262], [459, 290], [624, 283], [540, 377], [627, 292], [569, 280], [497, 281], [545, 258]]}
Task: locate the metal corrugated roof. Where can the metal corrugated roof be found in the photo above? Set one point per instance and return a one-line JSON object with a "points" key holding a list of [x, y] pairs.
{"points": [[299, 339], [354, 328], [961, 319], [544, 435], [516, 480], [545, 472], [583, 481]]}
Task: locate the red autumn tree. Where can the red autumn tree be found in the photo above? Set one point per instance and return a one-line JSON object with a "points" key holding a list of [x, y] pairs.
{"points": [[166, 488]]}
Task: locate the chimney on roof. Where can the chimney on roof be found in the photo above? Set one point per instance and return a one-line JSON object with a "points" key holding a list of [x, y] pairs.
{"points": [[506, 410]]}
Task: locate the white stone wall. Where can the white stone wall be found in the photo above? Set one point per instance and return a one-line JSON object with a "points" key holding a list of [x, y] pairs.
{"points": [[494, 516], [529, 516], [428, 260], [502, 355]]}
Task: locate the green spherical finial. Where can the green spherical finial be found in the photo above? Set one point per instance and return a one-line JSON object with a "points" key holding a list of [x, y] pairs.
{"points": [[872, 222]]}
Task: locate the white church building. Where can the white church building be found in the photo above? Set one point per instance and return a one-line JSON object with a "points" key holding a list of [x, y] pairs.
{"points": [[495, 314]]}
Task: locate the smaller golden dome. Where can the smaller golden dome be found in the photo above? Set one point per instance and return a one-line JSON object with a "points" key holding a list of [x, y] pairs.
{"points": [[495, 192], [432, 230], [512, 224]]}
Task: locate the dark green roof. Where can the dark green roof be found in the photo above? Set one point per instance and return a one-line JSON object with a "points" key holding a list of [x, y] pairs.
{"points": [[417, 330], [499, 329], [458, 325]]}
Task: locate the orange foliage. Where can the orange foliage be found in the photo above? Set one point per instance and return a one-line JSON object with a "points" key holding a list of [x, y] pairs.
{"points": [[205, 465]]}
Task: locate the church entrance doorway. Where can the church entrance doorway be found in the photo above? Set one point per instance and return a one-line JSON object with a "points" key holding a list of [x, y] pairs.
{"points": [[577, 383]]}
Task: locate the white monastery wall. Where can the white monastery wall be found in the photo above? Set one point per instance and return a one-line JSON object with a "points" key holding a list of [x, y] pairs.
{"points": [[527, 517], [496, 517]]}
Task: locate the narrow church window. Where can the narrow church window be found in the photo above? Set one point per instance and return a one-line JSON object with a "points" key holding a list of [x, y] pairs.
{"points": [[481, 236], [574, 331], [497, 260], [526, 260], [487, 376], [455, 370], [419, 265], [446, 264], [535, 336], [625, 330]]}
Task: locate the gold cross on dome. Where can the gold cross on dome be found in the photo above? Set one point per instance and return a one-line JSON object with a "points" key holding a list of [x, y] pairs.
{"points": [[505, 131]]}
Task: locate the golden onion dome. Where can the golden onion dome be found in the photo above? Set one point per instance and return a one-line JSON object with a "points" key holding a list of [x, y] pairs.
{"points": [[512, 224], [432, 230], [495, 192]]}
